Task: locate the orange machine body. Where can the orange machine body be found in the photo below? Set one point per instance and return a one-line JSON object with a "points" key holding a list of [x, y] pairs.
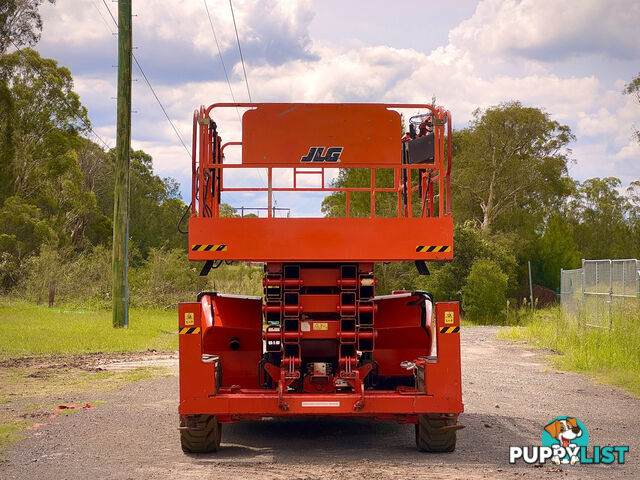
{"points": [[320, 342]]}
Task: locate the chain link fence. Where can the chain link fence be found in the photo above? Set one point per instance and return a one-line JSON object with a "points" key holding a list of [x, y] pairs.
{"points": [[600, 289]]}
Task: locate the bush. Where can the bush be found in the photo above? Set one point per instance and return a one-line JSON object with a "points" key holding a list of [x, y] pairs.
{"points": [[168, 277], [470, 245], [164, 279], [484, 294], [89, 279]]}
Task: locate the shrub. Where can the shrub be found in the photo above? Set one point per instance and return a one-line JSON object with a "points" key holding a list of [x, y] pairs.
{"points": [[484, 292]]}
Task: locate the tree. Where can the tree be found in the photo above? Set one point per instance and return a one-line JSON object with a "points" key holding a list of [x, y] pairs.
{"points": [[334, 205], [598, 213], [510, 167], [155, 208], [23, 230], [633, 196], [41, 135], [47, 271], [633, 88], [470, 245], [46, 120], [227, 211], [554, 250], [20, 23]]}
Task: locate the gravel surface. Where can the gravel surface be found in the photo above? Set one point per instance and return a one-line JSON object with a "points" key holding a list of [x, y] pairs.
{"points": [[509, 392]]}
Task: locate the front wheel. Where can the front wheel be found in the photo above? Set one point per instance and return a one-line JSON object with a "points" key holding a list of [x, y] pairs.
{"points": [[436, 432], [200, 433]]}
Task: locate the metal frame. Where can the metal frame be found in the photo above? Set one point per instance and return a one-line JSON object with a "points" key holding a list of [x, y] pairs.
{"points": [[213, 326], [609, 295], [402, 234], [199, 394]]}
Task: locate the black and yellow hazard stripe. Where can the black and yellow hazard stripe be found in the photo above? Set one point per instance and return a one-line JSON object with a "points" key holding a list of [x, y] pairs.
{"points": [[433, 248], [449, 329], [189, 330], [208, 248]]}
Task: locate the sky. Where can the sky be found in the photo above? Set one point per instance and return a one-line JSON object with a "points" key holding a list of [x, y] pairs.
{"points": [[571, 58]]}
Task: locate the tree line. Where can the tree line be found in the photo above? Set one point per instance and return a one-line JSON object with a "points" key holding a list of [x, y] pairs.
{"points": [[513, 200], [56, 185]]}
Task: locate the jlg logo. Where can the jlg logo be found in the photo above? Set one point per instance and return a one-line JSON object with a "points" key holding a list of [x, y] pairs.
{"points": [[331, 154]]}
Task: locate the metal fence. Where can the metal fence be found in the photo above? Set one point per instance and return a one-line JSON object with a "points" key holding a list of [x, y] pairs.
{"points": [[600, 289]]}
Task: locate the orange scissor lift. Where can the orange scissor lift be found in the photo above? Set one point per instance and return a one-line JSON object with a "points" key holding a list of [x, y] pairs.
{"points": [[319, 342]]}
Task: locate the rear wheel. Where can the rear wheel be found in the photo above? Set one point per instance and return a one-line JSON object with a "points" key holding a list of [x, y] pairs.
{"points": [[436, 432], [201, 435]]}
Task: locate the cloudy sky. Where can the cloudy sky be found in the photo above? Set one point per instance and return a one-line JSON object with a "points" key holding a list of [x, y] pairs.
{"points": [[570, 57]]}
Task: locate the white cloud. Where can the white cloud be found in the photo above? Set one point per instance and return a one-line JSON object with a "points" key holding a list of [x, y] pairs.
{"points": [[508, 50], [551, 30]]}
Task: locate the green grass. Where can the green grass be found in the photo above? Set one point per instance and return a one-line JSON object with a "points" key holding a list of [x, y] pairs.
{"points": [[610, 357], [29, 330], [9, 432], [29, 393]]}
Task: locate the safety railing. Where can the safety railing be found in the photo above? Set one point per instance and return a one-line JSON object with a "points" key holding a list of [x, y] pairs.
{"points": [[421, 190]]}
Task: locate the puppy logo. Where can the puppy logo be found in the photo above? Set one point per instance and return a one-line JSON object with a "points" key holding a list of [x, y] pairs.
{"points": [[565, 435]]}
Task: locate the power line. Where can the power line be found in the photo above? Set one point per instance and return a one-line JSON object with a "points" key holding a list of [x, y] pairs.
{"points": [[104, 20], [215, 37], [151, 88], [43, 77], [225, 70], [246, 80], [160, 103]]}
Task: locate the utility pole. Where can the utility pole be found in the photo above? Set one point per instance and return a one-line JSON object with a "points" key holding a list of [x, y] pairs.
{"points": [[121, 170], [533, 308]]}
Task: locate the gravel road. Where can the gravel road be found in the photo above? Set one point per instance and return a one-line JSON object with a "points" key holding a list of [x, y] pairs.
{"points": [[509, 392]]}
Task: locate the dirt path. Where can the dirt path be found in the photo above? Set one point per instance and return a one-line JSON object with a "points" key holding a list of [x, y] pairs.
{"points": [[509, 392]]}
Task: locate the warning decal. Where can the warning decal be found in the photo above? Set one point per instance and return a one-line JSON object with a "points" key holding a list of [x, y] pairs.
{"points": [[189, 331]]}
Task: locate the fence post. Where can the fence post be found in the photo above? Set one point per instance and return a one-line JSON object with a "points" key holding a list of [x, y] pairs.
{"points": [[583, 295], [637, 279], [531, 289], [610, 294]]}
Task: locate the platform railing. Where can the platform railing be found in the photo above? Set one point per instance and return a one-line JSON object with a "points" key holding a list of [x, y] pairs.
{"points": [[432, 182]]}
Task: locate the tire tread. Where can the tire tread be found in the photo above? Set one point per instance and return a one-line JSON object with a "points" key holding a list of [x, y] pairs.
{"points": [[204, 437]]}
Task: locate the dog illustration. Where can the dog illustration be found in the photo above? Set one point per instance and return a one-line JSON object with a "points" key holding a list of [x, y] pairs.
{"points": [[564, 431]]}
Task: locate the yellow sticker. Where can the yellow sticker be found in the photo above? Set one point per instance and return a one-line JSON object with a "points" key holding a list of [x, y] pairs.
{"points": [[448, 317], [320, 326], [188, 319]]}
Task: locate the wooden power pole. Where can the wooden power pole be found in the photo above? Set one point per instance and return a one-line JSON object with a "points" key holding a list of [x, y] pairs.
{"points": [[121, 170]]}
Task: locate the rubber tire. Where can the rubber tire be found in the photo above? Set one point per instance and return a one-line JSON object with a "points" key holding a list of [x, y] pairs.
{"points": [[203, 437], [429, 437]]}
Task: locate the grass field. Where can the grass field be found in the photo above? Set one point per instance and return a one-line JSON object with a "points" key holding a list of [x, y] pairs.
{"points": [[30, 392], [29, 330], [611, 357]]}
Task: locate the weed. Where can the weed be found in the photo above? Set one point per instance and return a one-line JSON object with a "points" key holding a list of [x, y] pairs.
{"points": [[610, 356]]}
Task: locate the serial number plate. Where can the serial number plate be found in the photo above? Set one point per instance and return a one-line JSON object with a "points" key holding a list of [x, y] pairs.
{"points": [[320, 404]]}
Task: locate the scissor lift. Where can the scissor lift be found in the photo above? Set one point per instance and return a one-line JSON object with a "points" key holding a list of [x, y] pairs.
{"points": [[319, 342]]}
